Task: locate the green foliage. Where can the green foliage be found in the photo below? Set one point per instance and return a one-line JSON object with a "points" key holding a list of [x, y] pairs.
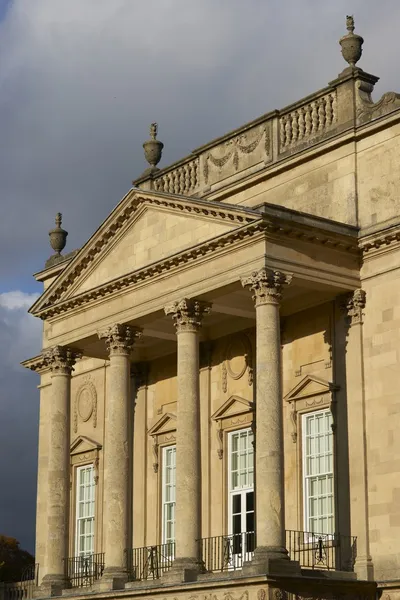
{"points": [[13, 560]]}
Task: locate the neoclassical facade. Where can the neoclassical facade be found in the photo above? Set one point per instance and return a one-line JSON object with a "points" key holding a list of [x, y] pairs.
{"points": [[220, 369]]}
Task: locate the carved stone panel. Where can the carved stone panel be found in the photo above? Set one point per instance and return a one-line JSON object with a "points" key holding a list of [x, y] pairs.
{"points": [[85, 405], [238, 360]]}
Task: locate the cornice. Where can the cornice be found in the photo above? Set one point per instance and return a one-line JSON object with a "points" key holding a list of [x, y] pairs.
{"points": [[276, 229], [149, 272], [381, 241], [37, 364], [133, 200]]}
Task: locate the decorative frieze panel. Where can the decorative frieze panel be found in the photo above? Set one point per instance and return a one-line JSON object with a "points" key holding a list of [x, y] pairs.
{"points": [[237, 360], [238, 153], [304, 123], [85, 405]]}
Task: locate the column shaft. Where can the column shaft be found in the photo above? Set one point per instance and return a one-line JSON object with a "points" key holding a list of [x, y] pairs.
{"points": [[270, 554], [61, 361], [187, 315], [187, 516], [270, 519], [116, 498], [116, 460], [58, 474]]}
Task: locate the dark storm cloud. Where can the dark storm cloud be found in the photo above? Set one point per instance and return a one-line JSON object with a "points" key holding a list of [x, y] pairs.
{"points": [[81, 80]]}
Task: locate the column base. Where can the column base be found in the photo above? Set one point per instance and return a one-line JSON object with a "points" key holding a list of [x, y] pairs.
{"points": [[113, 578], [364, 568], [271, 560], [52, 585], [182, 570]]}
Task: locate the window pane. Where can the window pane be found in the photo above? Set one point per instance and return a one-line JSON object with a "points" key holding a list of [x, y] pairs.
{"points": [[168, 494], [236, 504], [85, 511], [318, 471]]}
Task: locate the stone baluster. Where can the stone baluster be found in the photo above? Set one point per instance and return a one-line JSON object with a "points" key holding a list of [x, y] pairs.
{"points": [[270, 554], [295, 127], [308, 122], [321, 114], [353, 306], [187, 315], [301, 124], [314, 117], [60, 360], [119, 340]]}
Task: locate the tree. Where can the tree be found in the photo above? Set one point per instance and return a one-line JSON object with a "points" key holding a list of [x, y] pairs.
{"points": [[14, 562]]}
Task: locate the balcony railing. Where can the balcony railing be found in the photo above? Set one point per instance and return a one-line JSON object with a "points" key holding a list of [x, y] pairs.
{"points": [[23, 590], [149, 562], [82, 571], [227, 552], [335, 552]]}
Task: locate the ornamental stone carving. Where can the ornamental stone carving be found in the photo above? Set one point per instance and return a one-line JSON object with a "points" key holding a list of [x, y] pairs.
{"points": [[60, 360], [119, 338], [85, 407], [266, 285], [238, 359], [187, 313], [353, 306]]}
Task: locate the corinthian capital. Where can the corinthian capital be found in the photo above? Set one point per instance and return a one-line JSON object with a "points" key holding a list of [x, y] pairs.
{"points": [[266, 285], [60, 359], [119, 338], [187, 313], [353, 306]]}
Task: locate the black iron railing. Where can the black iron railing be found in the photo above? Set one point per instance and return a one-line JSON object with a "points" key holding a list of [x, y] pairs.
{"points": [[82, 571], [334, 551], [23, 589], [226, 552], [149, 562]]}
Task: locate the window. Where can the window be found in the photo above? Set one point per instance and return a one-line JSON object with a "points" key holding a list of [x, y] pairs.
{"points": [[168, 494], [241, 492], [85, 506], [318, 472]]}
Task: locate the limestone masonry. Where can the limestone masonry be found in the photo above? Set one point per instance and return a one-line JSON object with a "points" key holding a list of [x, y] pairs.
{"points": [[220, 373]]}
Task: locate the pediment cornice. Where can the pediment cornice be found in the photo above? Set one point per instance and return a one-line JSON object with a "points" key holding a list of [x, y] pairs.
{"points": [[132, 203]]}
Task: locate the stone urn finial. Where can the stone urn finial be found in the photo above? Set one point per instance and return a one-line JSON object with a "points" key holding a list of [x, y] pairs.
{"points": [[351, 43], [153, 149], [58, 236]]}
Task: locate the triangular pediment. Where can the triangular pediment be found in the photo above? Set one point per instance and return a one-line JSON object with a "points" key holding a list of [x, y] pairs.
{"points": [[83, 444], [166, 424], [310, 386], [145, 229], [235, 405]]}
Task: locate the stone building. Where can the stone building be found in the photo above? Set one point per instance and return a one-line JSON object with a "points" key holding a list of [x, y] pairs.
{"points": [[220, 374]]}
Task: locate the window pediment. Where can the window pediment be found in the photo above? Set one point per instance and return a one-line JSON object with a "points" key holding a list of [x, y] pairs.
{"points": [[83, 444], [233, 407], [311, 393], [163, 432]]}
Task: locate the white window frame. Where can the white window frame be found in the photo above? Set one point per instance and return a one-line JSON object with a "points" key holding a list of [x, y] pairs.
{"points": [[164, 502], [307, 478], [242, 491], [92, 517]]}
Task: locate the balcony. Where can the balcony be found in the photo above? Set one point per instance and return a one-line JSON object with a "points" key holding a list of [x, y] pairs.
{"points": [[333, 552], [83, 571], [227, 553], [149, 562]]}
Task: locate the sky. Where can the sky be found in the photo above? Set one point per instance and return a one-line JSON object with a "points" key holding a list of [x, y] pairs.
{"points": [[80, 83]]}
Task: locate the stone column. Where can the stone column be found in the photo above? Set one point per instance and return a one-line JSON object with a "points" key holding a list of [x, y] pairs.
{"points": [[187, 315], [60, 360], [116, 506], [270, 552], [353, 307]]}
